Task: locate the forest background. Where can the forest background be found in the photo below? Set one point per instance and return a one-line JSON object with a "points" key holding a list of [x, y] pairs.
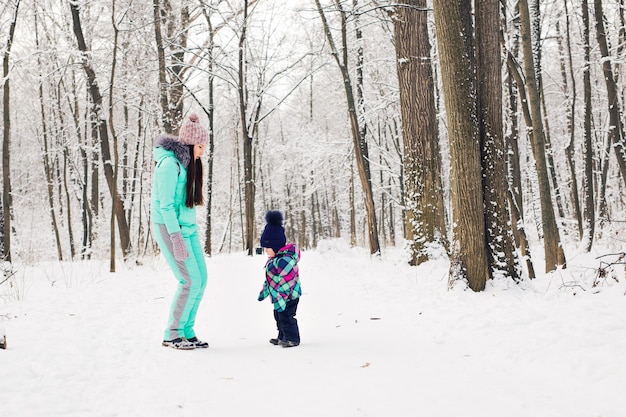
{"points": [[383, 123]]}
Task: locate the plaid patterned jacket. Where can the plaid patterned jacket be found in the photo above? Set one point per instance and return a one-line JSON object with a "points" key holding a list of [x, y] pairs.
{"points": [[282, 281]]}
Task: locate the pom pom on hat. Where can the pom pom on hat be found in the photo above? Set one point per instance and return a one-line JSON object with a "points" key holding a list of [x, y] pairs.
{"points": [[274, 217], [274, 234], [192, 132]]}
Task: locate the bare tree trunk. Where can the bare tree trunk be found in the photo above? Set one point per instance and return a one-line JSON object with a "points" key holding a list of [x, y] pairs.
{"points": [[550, 157], [211, 148], [515, 184], [100, 121], [570, 96], [535, 24], [163, 86], [353, 241], [616, 128], [422, 185], [588, 189], [49, 179], [360, 145], [86, 215], [177, 37], [46, 155], [7, 200], [95, 166], [516, 87], [554, 255], [247, 131], [454, 39], [501, 255]]}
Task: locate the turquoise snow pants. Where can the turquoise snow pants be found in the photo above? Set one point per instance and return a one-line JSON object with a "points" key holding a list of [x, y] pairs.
{"points": [[192, 277]]}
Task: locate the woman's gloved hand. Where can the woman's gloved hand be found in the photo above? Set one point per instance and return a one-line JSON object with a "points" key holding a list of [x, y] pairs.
{"points": [[179, 250]]}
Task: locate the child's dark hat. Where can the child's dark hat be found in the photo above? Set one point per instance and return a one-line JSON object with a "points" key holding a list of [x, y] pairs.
{"points": [[274, 233]]}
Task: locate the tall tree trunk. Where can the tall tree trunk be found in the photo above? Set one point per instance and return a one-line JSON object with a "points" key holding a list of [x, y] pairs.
{"points": [[570, 96], [211, 148], [86, 215], [516, 88], [588, 189], [100, 121], [353, 241], [501, 255], [360, 87], [177, 37], [46, 154], [68, 203], [246, 130], [167, 122], [535, 22], [360, 145], [7, 200], [616, 128], [423, 195], [454, 40], [554, 254]]}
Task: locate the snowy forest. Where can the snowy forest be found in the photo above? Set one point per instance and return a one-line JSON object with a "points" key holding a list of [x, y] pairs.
{"points": [[472, 128]]}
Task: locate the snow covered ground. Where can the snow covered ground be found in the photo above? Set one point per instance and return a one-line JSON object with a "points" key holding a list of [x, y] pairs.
{"points": [[379, 338]]}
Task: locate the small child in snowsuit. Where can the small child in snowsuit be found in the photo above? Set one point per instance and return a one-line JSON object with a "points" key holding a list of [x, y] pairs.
{"points": [[282, 282]]}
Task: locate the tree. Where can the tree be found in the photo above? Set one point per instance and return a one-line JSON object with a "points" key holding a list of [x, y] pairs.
{"points": [[423, 195], [455, 44], [515, 83], [571, 101], [247, 135], [208, 246], [360, 143], [171, 72], [7, 203], [100, 120], [616, 128], [501, 255], [588, 189], [554, 255]]}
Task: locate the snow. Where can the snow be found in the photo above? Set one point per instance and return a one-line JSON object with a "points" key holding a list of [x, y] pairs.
{"points": [[379, 338]]}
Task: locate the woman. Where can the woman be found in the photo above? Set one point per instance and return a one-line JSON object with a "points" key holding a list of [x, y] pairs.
{"points": [[176, 191]]}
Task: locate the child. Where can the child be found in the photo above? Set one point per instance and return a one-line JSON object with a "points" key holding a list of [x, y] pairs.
{"points": [[282, 282]]}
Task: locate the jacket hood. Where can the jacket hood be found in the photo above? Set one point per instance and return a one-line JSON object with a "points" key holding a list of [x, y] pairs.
{"points": [[167, 144], [290, 250]]}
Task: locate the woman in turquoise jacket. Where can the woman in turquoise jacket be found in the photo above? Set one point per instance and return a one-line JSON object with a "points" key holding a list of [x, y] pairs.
{"points": [[176, 191]]}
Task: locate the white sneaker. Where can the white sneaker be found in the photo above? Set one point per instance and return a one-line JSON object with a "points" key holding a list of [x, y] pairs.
{"points": [[198, 344], [179, 343]]}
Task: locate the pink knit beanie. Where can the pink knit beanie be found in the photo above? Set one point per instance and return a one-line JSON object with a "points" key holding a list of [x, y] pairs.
{"points": [[192, 133]]}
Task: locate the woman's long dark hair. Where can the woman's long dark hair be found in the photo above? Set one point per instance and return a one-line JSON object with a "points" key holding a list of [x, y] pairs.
{"points": [[193, 187]]}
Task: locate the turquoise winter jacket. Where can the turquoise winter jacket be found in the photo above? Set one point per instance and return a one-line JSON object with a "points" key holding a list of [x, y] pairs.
{"points": [[168, 188]]}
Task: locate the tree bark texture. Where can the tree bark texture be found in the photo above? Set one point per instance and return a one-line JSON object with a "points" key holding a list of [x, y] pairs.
{"points": [[501, 255], [588, 189], [249, 185], [423, 195], [454, 39], [7, 201]]}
